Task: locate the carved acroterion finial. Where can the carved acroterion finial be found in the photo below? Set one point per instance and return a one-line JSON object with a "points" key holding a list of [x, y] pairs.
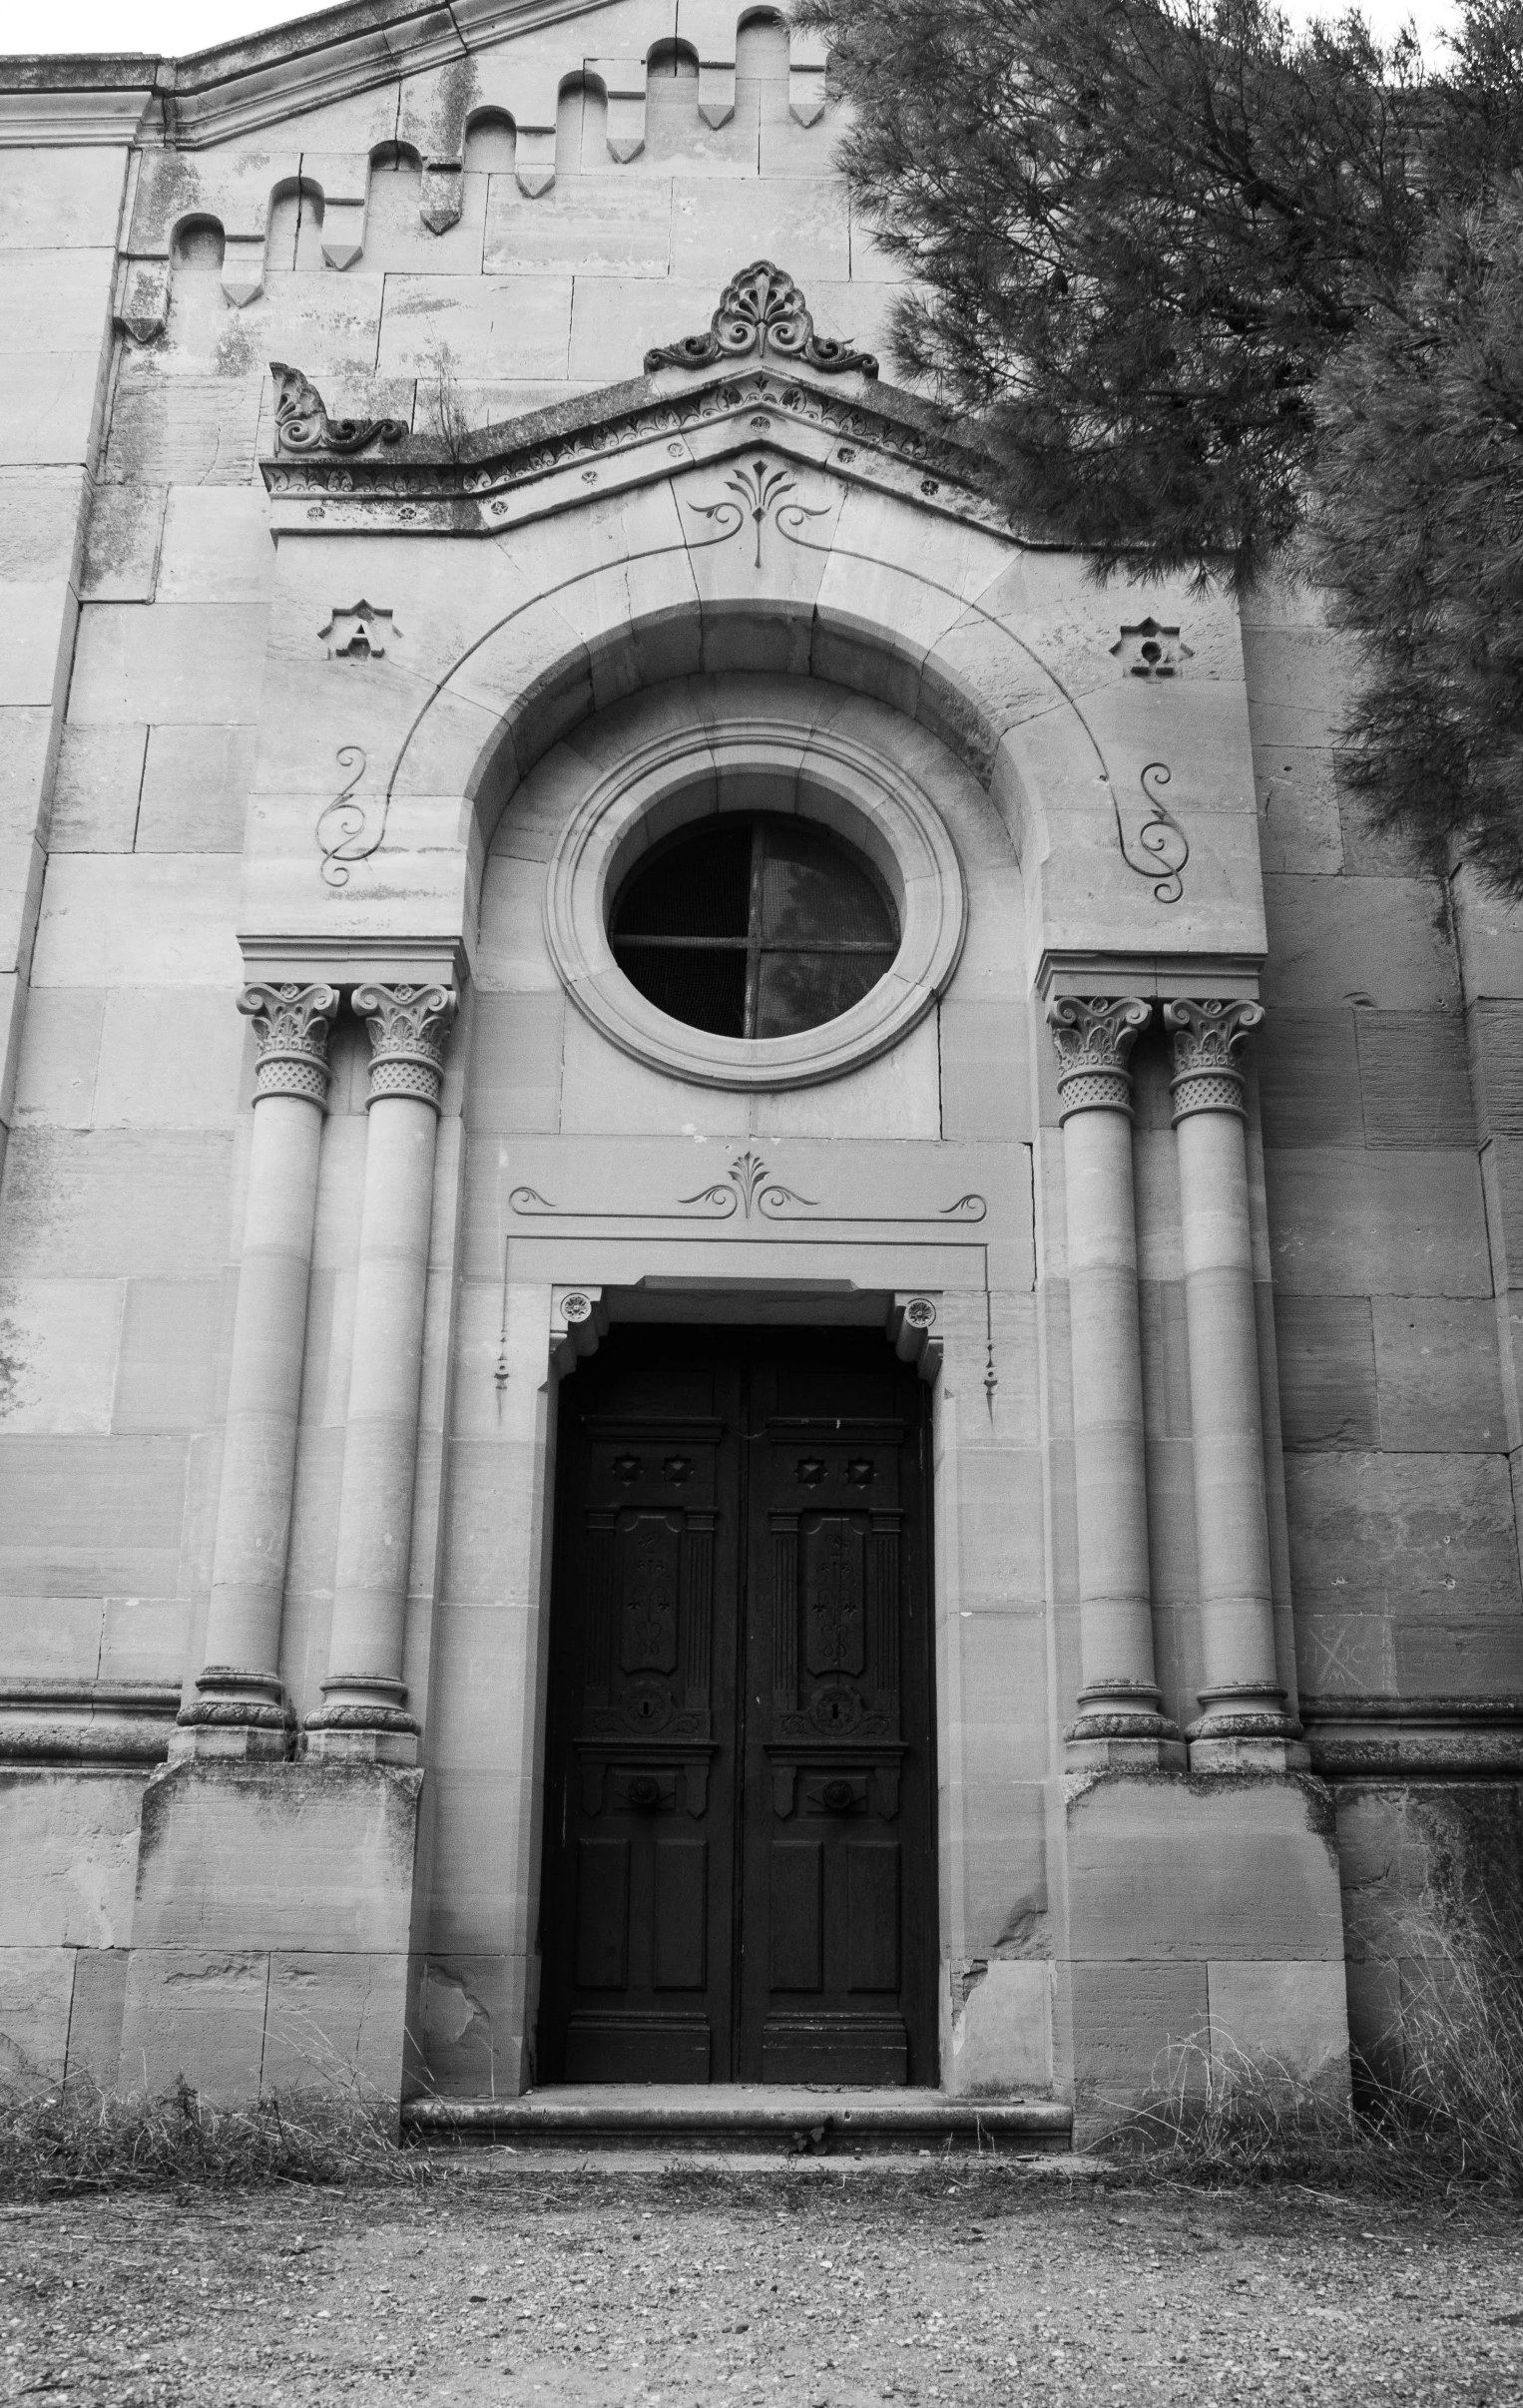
{"points": [[302, 422], [761, 312]]}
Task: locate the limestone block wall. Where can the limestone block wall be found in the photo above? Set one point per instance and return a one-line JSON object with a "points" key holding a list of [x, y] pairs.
{"points": [[1387, 1078]]}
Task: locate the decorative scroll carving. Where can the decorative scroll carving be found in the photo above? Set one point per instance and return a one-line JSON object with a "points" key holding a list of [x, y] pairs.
{"points": [[762, 489], [832, 1591], [303, 423], [761, 311], [1207, 1033], [347, 832], [747, 1188], [408, 1027], [1093, 1036], [1160, 837], [291, 1025], [648, 1607]]}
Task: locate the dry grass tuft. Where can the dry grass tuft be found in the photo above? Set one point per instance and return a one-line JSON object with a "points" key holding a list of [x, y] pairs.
{"points": [[1445, 2113], [79, 2138]]}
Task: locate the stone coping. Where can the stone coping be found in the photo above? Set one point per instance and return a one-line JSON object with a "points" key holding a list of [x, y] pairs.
{"points": [[746, 2115]]}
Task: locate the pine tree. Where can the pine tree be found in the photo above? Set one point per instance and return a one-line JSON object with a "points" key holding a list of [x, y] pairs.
{"points": [[1418, 529], [1189, 270]]}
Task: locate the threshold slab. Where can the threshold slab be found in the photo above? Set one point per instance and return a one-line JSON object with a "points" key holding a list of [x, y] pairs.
{"points": [[747, 2117]]}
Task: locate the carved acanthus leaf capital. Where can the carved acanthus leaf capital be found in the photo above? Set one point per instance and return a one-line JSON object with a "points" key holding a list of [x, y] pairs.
{"points": [[1093, 1035], [409, 1028], [292, 1024], [1207, 1033]]}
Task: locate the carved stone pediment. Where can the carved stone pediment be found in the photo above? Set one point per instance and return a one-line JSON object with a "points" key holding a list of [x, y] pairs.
{"points": [[630, 434]]}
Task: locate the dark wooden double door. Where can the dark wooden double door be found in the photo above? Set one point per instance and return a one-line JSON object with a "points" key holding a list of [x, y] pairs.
{"points": [[739, 1876]]}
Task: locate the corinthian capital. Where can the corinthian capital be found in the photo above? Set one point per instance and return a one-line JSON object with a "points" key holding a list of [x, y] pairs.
{"points": [[1093, 1035], [408, 1027], [291, 1025], [1207, 1033]]}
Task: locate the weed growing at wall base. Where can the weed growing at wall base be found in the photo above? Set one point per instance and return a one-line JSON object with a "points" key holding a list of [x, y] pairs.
{"points": [[79, 2139]]}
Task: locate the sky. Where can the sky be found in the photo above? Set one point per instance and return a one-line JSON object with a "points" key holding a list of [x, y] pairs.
{"points": [[175, 26]]}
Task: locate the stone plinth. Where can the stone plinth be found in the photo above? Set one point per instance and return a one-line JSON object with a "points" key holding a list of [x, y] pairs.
{"points": [[1203, 1920], [270, 1929]]}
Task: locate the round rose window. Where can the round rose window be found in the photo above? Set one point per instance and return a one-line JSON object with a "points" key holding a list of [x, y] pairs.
{"points": [[754, 926]]}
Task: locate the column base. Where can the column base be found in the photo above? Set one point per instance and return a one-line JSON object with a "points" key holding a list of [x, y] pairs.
{"points": [[364, 1746], [1230, 1751], [1085, 1753], [362, 1731], [236, 1714], [1247, 1731], [1120, 1729], [240, 1743]]}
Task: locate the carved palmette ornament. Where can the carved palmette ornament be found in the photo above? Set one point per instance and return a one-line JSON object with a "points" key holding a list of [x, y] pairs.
{"points": [[761, 311], [1207, 1077], [408, 1028], [302, 422], [292, 1024], [1093, 1036]]}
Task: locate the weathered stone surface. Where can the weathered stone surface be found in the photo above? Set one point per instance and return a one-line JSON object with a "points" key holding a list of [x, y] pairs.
{"points": [[1383, 1223], [1326, 1354], [97, 788]]}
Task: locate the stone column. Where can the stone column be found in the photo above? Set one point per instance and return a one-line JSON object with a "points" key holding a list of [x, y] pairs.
{"points": [[1244, 1717], [240, 1708], [364, 1709], [1120, 1721]]}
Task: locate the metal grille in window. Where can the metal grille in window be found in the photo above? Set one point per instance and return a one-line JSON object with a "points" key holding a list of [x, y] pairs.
{"points": [[753, 927]]}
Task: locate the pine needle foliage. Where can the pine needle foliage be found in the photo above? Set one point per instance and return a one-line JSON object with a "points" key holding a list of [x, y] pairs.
{"points": [[1419, 536], [1197, 276]]}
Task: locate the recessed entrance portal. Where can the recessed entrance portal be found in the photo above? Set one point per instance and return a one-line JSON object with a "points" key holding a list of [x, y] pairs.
{"points": [[739, 1872]]}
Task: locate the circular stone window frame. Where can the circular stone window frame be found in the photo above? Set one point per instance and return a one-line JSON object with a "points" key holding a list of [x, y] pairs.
{"points": [[741, 764]]}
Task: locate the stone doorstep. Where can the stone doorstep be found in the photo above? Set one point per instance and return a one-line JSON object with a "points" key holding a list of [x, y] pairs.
{"points": [[748, 2117]]}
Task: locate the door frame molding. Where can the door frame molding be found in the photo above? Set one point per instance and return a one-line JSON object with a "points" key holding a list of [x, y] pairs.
{"points": [[561, 1295]]}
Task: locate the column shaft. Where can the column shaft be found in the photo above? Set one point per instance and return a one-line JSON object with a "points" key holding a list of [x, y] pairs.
{"points": [[1242, 1697], [1119, 1701], [239, 1706], [365, 1697]]}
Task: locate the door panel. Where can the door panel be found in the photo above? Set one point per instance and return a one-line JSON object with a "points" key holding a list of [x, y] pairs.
{"points": [[738, 1879]]}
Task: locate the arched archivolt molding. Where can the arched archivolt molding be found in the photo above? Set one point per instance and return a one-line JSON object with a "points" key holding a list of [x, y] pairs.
{"points": [[608, 631], [1005, 651]]}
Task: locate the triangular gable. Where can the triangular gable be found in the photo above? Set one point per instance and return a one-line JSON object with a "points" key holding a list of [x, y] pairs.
{"points": [[759, 377]]}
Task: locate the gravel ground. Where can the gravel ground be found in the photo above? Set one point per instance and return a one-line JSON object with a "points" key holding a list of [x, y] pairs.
{"points": [[690, 2287]]}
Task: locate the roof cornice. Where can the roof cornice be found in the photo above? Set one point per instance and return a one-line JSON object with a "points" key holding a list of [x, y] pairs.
{"points": [[626, 435], [239, 87]]}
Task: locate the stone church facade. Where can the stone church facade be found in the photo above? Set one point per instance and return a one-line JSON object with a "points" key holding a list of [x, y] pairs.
{"points": [[756, 1276]]}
